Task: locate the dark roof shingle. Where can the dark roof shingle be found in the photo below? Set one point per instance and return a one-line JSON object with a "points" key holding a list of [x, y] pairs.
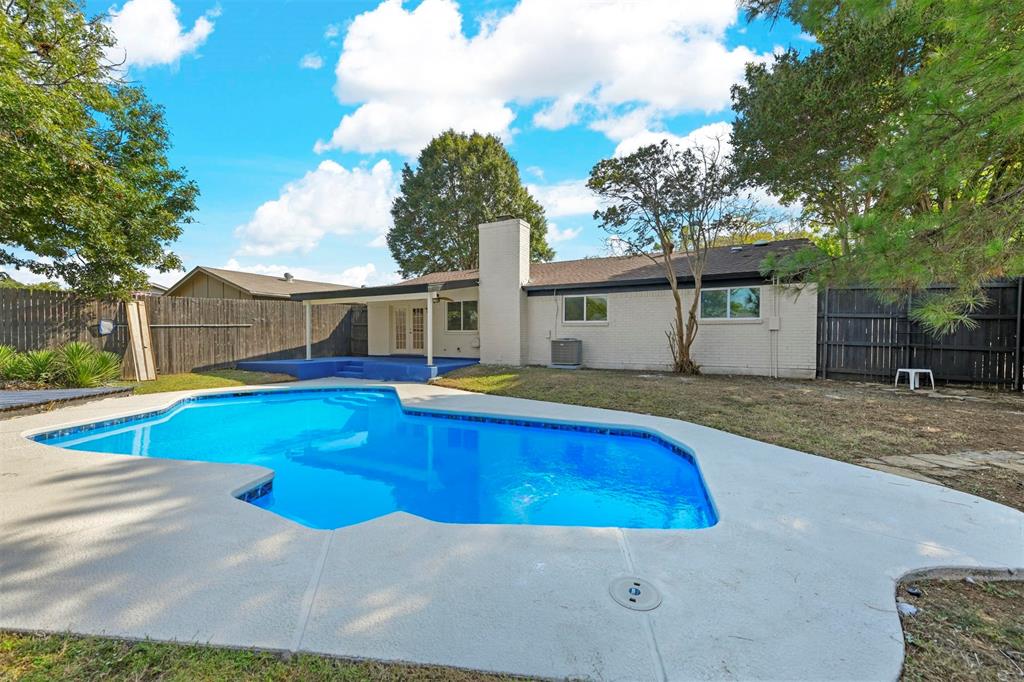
{"points": [[723, 261]]}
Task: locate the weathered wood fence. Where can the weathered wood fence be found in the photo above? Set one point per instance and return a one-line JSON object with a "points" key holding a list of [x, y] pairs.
{"points": [[861, 337], [188, 333]]}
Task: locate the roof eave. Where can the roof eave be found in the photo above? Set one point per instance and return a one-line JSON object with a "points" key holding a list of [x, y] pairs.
{"points": [[387, 290], [644, 281]]}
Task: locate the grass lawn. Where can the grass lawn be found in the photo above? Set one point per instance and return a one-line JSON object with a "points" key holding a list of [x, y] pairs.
{"points": [[214, 378], [963, 631], [28, 657], [852, 422]]}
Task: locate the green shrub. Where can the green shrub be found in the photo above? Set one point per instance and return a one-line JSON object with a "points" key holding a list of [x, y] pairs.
{"points": [[82, 366], [35, 365], [18, 368], [7, 356], [41, 365]]}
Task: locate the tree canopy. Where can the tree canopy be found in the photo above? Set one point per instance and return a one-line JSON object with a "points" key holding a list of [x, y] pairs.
{"points": [[86, 191], [903, 134], [459, 182], [661, 201]]}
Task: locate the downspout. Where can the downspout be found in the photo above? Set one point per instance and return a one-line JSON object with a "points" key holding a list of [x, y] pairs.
{"points": [[774, 360]]}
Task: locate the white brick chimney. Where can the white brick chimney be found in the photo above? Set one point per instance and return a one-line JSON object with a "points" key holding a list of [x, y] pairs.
{"points": [[504, 269]]}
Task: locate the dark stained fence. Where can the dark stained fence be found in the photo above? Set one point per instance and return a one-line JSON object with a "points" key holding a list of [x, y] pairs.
{"points": [[188, 333], [861, 337], [32, 319], [360, 330]]}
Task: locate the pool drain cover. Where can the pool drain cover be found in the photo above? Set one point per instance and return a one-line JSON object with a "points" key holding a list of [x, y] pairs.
{"points": [[635, 593]]}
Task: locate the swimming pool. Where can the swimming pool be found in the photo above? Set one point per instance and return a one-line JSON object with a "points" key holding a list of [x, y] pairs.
{"points": [[342, 456]]}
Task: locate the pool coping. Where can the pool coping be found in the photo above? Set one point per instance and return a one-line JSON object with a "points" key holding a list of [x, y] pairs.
{"points": [[851, 540]]}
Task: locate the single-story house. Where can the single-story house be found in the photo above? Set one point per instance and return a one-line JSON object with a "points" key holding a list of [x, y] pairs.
{"points": [[204, 282], [510, 310]]}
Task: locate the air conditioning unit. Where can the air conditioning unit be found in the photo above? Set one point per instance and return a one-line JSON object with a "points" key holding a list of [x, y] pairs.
{"points": [[566, 352]]}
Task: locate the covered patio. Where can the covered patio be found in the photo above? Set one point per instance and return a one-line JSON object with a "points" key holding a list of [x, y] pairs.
{"points": [[415, 332]]}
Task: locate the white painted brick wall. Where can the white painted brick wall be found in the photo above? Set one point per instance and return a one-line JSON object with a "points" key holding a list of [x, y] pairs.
{"points": [[455, 344], [504, 268], [634, 336]]}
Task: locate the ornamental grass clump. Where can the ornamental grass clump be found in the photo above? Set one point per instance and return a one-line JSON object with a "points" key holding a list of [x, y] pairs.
{"points": [[82, 366], [36, 366]]}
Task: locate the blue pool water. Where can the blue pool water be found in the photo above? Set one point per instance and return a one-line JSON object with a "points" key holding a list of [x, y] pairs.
{"points": [[342, 456]]}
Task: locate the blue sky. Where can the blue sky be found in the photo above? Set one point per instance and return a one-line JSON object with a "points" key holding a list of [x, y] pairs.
{"points": [[296, 117]]}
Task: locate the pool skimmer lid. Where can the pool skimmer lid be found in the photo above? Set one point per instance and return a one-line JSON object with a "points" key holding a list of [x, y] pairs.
{"points": [[635, 593]]}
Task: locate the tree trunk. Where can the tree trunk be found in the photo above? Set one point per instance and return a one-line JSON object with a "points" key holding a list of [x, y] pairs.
{"points": [[681, 335], [684, 361]]}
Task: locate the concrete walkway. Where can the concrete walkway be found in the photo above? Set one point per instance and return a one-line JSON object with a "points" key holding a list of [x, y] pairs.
{"points": [[796, 581]]}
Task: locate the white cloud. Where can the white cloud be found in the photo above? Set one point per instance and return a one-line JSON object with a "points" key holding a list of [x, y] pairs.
{"points": [[381, 125], [148, 33], [164, 278], [412, 72], [332, 31], [565, 198], [355, 276], [311, 61], [27, 276], [710, 134], [328, 200], [616, 246], [556, 235], [536, 171]]}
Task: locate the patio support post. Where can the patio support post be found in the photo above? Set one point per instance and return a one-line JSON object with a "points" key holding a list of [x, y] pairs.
{"points": [[309, 329], [430, 329]]}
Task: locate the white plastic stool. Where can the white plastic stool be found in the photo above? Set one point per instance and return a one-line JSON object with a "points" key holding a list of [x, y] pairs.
{"points": [[914, 377]]}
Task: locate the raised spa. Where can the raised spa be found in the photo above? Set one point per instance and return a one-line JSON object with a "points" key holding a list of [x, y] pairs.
{"points": [[342, 456]]}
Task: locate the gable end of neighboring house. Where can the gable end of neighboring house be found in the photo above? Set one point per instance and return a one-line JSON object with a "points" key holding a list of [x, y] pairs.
{"points": [[201, 284], [205, 282]]}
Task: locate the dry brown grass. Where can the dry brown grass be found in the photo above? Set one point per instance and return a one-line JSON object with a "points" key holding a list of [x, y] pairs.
{"points": [[852, 422]]}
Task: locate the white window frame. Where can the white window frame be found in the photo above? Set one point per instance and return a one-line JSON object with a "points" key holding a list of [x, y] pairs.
{"points": [[462, 317], [728, 308], [585, 321]]}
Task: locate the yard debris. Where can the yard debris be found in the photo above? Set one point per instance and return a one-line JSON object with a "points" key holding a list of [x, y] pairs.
{"points": [[970, 580], [914, 591], [906, 608]]}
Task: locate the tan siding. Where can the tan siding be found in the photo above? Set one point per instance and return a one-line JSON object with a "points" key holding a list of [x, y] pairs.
{"points": [[201, 285]]}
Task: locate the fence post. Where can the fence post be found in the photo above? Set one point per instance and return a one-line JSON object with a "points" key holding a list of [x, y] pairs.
{"points": [[824, 343], [1018, 371]]}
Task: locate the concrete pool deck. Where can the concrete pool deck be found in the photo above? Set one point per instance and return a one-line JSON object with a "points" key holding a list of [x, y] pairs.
{"points": [[796, 580]]}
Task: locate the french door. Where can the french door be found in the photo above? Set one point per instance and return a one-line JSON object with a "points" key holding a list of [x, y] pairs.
{"points": [[408, 329]]}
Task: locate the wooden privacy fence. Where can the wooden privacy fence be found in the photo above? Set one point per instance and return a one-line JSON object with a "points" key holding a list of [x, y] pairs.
{"points": [[187, 333], [860, 337]]}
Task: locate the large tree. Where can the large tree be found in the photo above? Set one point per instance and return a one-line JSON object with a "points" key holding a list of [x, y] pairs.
{"points": [[459, 182], [86, 191], [932, 160], [661, 201]]}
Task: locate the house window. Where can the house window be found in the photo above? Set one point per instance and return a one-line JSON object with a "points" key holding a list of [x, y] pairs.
{"points": [[730, 304], [461, 316], [585, 309]]}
